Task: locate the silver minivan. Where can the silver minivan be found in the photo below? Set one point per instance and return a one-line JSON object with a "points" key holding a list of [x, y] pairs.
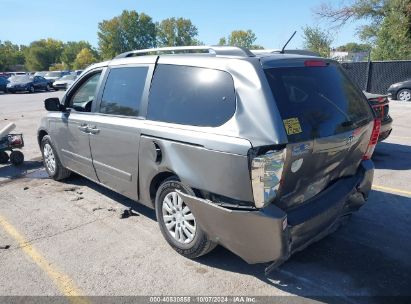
{"points": [[262, 154]]}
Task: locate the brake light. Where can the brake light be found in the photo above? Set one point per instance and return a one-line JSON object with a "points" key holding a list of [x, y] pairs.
{"points": [[266, 172], [373, 140], [315, 63]]}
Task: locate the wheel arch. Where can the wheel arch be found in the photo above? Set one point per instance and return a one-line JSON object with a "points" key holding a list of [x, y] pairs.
{"points": [[40, 134], [156, 181]]}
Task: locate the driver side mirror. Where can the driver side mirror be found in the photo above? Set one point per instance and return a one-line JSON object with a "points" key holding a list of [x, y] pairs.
{"points": [[53, 104]]}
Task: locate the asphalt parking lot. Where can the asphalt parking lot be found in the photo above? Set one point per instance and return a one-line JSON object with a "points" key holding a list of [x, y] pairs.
{"points": [[66, 238]]}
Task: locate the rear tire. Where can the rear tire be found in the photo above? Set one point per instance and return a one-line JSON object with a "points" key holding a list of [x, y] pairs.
{"points": [[51, 161], [404, 95], [193, 247], [4, 157], [16, 158]]}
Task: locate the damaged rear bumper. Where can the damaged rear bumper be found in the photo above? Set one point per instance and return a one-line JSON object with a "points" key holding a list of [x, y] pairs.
{"points": [[272, 235]]}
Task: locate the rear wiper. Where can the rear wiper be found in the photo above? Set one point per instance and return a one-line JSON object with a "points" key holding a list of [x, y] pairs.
{"points": [[335, 106]]}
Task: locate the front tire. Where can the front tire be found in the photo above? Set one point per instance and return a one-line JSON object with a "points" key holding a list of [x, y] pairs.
{"points": [[31, 89], [51, 160], [404, 95], [177, 223]]}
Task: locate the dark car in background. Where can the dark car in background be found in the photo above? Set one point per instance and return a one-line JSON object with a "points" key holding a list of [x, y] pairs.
{"points": [[400, 90], [26, 83], [3, 84], [381, 107]]}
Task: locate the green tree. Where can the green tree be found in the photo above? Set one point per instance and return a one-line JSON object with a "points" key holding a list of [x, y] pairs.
{"points": [[393, 41], [354, 47], [388, 28], [240, 38], [176, 32], [41, 54], [71, 50], [84, 58], [129, 31], [10, 55], [317, 40]]}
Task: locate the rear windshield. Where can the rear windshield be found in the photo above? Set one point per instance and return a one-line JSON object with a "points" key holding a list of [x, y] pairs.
{"points": [[317, 101]]}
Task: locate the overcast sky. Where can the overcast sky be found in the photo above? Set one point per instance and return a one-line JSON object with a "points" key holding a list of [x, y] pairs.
{"points": [[273, 21]]}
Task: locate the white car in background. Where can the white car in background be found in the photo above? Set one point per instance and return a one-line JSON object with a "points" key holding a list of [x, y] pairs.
{"points": [[64, 82]]}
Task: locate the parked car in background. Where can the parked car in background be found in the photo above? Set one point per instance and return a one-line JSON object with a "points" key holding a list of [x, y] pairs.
{"points": [[3, 84], [380, 104], [400, 90], [41, 73], [54, 75], [64, 82], [78, 72], [26, 83], [261, 154]]}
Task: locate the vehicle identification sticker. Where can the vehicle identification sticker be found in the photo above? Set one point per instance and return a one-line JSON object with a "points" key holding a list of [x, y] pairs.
{"points": [[292, 126]]}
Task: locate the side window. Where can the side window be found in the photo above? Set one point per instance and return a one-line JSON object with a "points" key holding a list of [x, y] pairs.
{"points": [[83, 97], [123, 91], [191, 96]]}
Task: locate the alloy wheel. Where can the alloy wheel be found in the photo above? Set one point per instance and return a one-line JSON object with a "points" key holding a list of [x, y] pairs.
{"points": [[49, 158], [178, 219]]}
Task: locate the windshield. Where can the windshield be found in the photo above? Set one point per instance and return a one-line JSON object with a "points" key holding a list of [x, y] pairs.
{"points": [[53, 74], [40, 74], [21, 78], [68, 77], [317, 102]]}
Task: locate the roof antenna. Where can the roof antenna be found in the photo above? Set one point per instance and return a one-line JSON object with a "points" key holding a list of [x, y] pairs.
{"points": [[282, 50]]}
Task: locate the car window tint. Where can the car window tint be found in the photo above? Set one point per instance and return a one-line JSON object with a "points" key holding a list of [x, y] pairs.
{"points": [[83, 97], [123, 91], [191, 96], [321, 101]]}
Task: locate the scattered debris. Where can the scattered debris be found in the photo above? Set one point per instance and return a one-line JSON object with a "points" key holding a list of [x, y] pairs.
{"points": [[97, 208], [5, 247], [77, 198], [127, 213], [71, 189], [79, 192], [111, 209], [26, 188]]}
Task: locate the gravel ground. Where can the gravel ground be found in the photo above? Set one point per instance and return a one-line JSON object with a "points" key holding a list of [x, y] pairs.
{"points": [[71, 232]]}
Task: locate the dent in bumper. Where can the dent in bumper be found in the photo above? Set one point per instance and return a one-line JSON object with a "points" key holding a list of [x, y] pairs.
{"points": [[263, 235], [255, 236]]}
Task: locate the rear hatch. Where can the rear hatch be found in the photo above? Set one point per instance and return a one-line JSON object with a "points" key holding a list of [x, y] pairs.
{"points": [[328, 124]]}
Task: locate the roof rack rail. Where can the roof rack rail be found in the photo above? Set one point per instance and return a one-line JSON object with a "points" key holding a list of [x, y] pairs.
{"points": [[295, 52], [211, 50]]}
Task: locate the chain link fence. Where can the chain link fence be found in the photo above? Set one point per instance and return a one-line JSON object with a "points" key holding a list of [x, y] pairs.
{"points": [[377, 76]]}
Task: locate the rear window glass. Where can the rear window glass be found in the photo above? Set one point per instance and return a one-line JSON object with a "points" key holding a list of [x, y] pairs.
{"points": [[317, 101], [191, 96]]}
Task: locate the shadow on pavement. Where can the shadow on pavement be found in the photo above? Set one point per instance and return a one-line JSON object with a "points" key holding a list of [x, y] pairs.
{"points": [[8, 171], [139, 208], [370, 256], [392, 156]]}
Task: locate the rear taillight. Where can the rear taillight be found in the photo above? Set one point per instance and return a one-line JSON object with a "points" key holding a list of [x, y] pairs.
{"points": [[266, 171], [373, 140], [315, 63]]}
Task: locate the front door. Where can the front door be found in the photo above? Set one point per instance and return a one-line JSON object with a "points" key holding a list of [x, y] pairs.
{"points": [[72, 131], [115, 132]]}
